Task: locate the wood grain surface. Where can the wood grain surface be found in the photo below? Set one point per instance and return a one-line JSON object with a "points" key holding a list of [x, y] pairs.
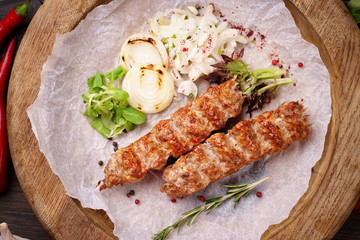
{"points": [[335, 182]]}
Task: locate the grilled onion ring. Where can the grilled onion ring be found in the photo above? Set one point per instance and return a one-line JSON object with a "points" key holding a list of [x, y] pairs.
{"points": [[150, 88]]}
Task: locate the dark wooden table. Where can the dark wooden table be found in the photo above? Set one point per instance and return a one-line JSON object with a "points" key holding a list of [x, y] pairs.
{"points": [[16, 211]]}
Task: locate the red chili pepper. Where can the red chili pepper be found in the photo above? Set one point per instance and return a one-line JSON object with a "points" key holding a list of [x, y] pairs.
{"points": [[5, 67], [12, 19]]}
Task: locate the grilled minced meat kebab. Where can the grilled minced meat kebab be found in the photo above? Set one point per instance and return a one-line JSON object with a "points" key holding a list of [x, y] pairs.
{"points": [[224, 154], [192, 124], [187, 127]]}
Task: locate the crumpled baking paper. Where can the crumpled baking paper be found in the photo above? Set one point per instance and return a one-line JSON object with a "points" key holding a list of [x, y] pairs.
{"points": [[73, 149]]}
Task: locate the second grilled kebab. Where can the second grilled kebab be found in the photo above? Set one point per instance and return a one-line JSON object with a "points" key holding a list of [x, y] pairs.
{"points": [[224, 154]]}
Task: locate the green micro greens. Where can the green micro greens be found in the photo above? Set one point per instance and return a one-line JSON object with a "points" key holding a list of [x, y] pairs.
{"points": [[107, 110], [257, 81], [236, 191], [257, 85]]}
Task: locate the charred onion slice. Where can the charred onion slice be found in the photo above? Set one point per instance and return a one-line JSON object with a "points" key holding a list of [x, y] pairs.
{"points": [[143, 48], [150, 88]]}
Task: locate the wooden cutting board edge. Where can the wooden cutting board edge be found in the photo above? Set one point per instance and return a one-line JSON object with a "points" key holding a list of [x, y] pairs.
{"points": [[327, 223], [99, 225], [56, 211]]}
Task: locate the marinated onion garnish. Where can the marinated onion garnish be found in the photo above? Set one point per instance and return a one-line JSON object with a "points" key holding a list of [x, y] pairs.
{"points": [[150, 88]]}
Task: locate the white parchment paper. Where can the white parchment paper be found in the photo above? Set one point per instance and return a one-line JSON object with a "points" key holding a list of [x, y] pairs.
{"points": [[73, 148]]}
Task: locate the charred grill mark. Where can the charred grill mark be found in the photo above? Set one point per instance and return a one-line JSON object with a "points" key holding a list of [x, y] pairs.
{"points": [[152, 41], [159, 82], [147, 67], [149, 40], [169, 138]]}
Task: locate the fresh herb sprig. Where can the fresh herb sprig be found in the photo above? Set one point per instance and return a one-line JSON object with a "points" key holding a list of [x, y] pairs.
{"points": [[236, 191], [107, 109]]}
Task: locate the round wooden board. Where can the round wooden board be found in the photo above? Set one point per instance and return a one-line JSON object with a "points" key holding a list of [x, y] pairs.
{"points": [[335, 183]]}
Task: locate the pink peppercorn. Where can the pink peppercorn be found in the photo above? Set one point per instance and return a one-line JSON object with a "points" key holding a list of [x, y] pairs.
{"points": [[137, 201]]}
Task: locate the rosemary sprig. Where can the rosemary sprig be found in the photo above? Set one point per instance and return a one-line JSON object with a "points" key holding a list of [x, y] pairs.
{"points": [[236, 191]]}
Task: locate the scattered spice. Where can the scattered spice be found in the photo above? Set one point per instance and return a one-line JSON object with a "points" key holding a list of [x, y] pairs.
{"points": [[101, 163], [250, 33], [130, 193], [257, 38], [202, 198], [173, 200], [137, 201], [258, 194], [300, 64], [233, 181], [274, 62], [116, 146]]}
